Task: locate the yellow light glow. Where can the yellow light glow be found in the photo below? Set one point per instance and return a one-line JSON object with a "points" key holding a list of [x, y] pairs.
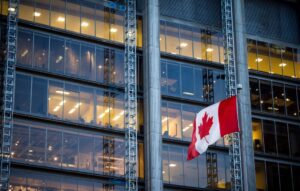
{"points": [[183, 45], [61, 19], [258, 60], [62, 92], [37, 14], [165, 119], [11, 9], [282, 64], [84, 24], [209, 50], [113, 30]]}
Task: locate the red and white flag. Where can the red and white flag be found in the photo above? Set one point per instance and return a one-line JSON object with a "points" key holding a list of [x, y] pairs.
{"points": [[212, 123]]}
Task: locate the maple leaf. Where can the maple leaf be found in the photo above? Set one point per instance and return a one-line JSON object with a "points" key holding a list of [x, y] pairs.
{"points": [[205, 126]]}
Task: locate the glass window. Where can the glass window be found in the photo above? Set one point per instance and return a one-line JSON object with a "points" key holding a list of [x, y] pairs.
{"points": [[262, 59], [41, 47], [85, 186], [102, 108], [288, 62], [41, 13], [70, 150], [266, 96], [190, 172], [69, 183], [87, 66], [260, 175], [188, 116], [163, 77], [71, 102], [285, 177], [117, 111], [173, 79], [72, 58], [57, 55], [275, 56], [176, 165], [199, 44], [202, 171], [165, 158], [102, 65], [20, 142], [72, 16], [221, 48], [37, 145], [282, 138], [87, 18], [85, 155], [58, 8], [86, 105], [56, 100], [297, 62], [172, 38], [212, 49], [257, 135], [39, 96], [24, 53], [102, 21], [219, 86], [98, 154], [174, 120], [164, 119], [113, 162], [26, 10], [272, 176], [296, 177], [199, 75], [222, 170], [269, 137], [22, 93], [279, 103], [254, 94], [252, 58], [187, 81], [119, 153], [186, 41], [162, 37], [294, 134], [54, 147], [117, 67], [116, 26], [291, 100]]}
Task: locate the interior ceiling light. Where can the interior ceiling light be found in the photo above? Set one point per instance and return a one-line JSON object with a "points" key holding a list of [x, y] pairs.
{"points": [[61, 19], [113, 30], [62, 92], [11, 9], [209, 50], [282, 64], [183, 45], [37, 14], [258, 59], [24, 53], [172, 165], [84, 24]]}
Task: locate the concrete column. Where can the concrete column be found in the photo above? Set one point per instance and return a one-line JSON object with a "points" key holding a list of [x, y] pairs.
{"points": [[244, 105], [152, 97]]}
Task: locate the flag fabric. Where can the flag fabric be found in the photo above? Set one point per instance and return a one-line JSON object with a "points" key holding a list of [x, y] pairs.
{"points": [[212, 123]]}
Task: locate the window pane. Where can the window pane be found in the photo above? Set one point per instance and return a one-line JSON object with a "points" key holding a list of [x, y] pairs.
{"points": [[285, 177], [199, 44], [22, 93], [102, 113], [37, 144], [165, 158], [173, 79], [116, 26], [102, 65], [58, 13], [41, 14], [252, 59], [294, 134], [85, 155], [117, 67], [164, 119], [174, 120], [162, 37], [72, 17], [70, 150], [254, 93], [190, 172], [297, 62], [26, 9], [269, 137], [20, 142], [172, 39], [221, 164], [119, 153], [163, 77], [260, 175], [291, 100], [272, 177], [57, 55], [176, 165], [98, 154], [55, 99], [275, 56], [282, 139], [212, 49], [86, 105], [219, 86], [87, 66], [72, 58], [85, 186], [199, 75], [266, 96], [41, 48], [187, 79], [54, 147], [24, 53], [257, 137], [296, 177], [186, 41], [262, 59], [39, 96], [288, 62], [117, 111], [188, 116], [71, 102], [102, 21], [279, 103], [202, 171], [87, 18]]}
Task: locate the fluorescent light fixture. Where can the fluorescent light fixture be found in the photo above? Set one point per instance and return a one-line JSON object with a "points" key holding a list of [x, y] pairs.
{"points": [[55, 158], [50, 148], [72, 111], [258, 59], [271, 108], [188, 93], [209, 50], [59, 58], [172, 165], [113, 30], [62, 92], [62, 102], [77, 105], [11, 9], [165, 119], [30, 150], [287, 99], [198, 58], [37, 14], [102, 115], [84, 24], [61, 19], [173, 53], [56, 108], [282, 64], [24, 53], [183, 45], [99, 66], [185, 129]]}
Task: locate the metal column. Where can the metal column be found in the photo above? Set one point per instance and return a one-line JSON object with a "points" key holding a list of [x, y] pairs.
{"points": [[8, 94], [230, 82]]}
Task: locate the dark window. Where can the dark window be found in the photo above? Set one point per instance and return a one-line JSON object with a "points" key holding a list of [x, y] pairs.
{"points": [[254, 93], [163, 77], [291, 101], [269, 137], [296, 177], [272, 176], [72, 58], [70, 150], [57, 55], [24, 53], [102, 65], [282, 139], [87, 66], [285, 177], [278, 94], [39, 96], [41, 50], [294, 135], [117, 67], [199, 74], [37, 145], [260, 175], [266, 96], [187, 81], [165, 163], [219, 86], [202, 171], [173, 79], [190, 172], [54, 147], [20, 142], [22, 94], [85, 155]]}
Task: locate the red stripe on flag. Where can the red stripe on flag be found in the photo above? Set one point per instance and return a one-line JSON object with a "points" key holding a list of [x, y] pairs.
{"points": [[192, 152], [228, 116]]}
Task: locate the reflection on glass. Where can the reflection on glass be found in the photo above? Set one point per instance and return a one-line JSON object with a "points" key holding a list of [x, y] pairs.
{"points": [[20, 142], [71, 102], [36, 150], [188, 116], [102, 21], [173, 79], [116, 26], [72, 58], [87, 66], [187, 81], [254, 93], [190, 172], [54, 147], [176, 165], [57, 59], [24, 53], [279, 102], [22, 93], [199, 44], [39, 96], [41, 49], [164, 119], [70, 150], [212, 49], [117, 67], [102, 108], [85, 154], [266, 96]]}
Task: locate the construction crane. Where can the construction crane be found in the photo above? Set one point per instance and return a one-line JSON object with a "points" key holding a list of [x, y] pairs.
{"points": [[231, 90], [8, 94]]}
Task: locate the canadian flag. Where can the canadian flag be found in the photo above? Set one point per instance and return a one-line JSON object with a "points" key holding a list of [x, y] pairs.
{"points": [[212, 123]]}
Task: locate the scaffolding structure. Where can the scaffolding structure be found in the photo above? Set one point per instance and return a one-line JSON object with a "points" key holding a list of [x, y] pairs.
{"points": [[8, 94], [231, 90]]}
